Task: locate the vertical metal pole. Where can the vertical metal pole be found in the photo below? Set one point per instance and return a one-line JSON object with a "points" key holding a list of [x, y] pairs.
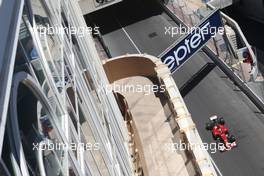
{"points": [[216, 48], [190, 16]]}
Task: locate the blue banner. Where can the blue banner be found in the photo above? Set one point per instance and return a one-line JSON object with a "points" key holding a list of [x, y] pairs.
{"points": [[177, 54]]}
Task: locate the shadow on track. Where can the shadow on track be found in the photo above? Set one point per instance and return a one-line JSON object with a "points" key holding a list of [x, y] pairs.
{"points": [[196, 78]]}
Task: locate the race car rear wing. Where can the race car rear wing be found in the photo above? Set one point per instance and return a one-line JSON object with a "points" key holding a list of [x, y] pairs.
{"points": [[213, 117]]}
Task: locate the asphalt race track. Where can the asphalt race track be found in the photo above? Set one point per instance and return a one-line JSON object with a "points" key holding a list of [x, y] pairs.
{"points": [[139, 27]]}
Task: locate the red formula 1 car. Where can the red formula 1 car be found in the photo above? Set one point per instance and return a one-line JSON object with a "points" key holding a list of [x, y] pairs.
{"points": [[221, 133]]}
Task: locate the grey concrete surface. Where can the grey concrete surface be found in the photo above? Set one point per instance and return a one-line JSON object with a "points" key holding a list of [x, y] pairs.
{"points": [[214, 94]]}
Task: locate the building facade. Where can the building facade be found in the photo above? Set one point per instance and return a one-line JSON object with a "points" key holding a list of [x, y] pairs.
{"points": [[58, 118]]}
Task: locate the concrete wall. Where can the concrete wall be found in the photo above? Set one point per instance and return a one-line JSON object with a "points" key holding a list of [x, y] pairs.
{"points": [[127, 66], [146, 65]]}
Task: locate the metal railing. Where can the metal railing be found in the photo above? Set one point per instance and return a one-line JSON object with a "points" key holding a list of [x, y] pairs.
{"points": [[234, 25], [189, 13]]}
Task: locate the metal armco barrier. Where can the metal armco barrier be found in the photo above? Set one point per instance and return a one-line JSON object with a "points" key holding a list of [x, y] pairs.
{"points": [[233, 23], [243, 86], [239, 83]]}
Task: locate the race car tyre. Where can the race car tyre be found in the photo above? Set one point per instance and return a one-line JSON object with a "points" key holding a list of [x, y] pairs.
{"points": [[215, 137], [221, 121], [209, 126], [232, 138]]}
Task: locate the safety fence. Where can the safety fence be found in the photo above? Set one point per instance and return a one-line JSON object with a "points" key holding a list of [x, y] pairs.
{"points": [[228, 47]]}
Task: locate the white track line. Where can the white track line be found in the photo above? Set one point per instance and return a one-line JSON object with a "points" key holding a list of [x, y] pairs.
{"points": [[128, 36], [217, 169]]}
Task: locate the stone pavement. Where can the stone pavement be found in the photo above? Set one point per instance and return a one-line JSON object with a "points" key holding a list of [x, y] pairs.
{"points": [[156, 132]]}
